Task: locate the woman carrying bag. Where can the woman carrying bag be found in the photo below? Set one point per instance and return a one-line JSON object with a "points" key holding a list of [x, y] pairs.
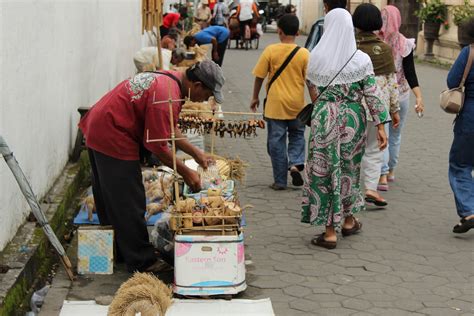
{"points": [[461, 156], [342, 76]]}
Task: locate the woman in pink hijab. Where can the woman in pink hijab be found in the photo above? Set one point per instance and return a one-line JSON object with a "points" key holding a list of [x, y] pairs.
{"points": [[402, 49]]}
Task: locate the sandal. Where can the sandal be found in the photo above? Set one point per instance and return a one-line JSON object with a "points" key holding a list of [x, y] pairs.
{"points": [[354, 230], [297, 179], [377, 201], [464, 226], [321, 242], [382, 187], [277, 187]]}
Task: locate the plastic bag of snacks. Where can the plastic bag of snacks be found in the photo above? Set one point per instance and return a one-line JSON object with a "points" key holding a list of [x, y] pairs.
{"points": [[210, 177]]}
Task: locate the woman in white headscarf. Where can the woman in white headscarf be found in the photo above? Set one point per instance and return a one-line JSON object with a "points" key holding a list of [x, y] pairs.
{"points": [[331, 194]]}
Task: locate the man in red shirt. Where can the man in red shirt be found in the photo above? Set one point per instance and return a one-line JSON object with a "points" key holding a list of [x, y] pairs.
{"points": [[170, 20], [115, 128]]}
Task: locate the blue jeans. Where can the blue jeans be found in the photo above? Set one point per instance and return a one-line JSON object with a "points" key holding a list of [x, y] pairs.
{"points": [[282, 155], [461, 167], [395, 138]]}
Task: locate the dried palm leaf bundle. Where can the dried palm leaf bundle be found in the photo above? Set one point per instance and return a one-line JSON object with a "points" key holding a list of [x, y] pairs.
{"points": [[154, 208], [89, 202], [143, 293], [196, 106], [196, 28], [232, 168], [200, 53]]}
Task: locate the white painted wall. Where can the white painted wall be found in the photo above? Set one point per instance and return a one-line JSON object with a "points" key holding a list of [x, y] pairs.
{"points": [[55, 56]]}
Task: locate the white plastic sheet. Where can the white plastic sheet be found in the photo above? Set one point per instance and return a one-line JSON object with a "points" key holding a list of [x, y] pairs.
{"points": [[261, 307]]}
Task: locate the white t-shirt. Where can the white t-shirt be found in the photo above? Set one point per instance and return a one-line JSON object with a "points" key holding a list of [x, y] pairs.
{"points": [[245, 10]]}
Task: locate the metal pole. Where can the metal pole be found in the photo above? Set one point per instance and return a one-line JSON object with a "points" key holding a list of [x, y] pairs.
{"points": [[30, 197]]}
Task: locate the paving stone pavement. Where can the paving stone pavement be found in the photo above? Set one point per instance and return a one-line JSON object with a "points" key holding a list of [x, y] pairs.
{"points": [[406, 261]]}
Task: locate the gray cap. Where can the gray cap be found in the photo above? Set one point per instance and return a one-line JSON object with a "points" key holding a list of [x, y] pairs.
{"points": [[212, 76]]}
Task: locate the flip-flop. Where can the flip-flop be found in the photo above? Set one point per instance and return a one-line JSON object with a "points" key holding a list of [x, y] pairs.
{"points": [[321, 242], [382, 187], [351, 231], [276, 187], [464, 227], [391, 178], [375, 201], [297, 179]]}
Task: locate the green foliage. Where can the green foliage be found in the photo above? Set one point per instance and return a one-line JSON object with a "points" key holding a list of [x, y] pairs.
{"points": [[433, 11], [462, 13]]}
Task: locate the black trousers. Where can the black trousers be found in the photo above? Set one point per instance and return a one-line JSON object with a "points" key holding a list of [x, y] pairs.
{"points": [[221, 48], [120, 201], [243, 24]]}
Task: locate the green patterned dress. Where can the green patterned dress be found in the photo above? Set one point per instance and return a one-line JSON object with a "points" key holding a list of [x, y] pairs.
{"points": [[336, 146]]}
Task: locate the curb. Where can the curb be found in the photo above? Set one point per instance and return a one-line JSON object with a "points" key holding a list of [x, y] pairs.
{"points": [[29, 257]]}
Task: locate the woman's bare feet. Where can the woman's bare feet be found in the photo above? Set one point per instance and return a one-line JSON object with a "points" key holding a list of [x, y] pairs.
{"points": [[330, 234], [383, 183], [391, 176], [374, 198]]}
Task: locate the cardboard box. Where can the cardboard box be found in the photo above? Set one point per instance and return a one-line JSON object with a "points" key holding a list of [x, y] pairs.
{"points": [[209, 265], [95, 251]]}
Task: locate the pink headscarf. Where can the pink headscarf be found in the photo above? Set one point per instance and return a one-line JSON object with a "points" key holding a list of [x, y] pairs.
{"points": [[390, 32]]}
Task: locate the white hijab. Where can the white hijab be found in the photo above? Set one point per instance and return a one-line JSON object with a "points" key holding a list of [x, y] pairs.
{"points": [[335, 48]]}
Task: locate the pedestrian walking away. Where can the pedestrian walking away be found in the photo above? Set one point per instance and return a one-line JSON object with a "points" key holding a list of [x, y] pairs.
{"points": [[343, 76], [367, 19], [284, 64], [220, 13], [317, 29], [403, 51], [246, 11], [203, 14], [461, 156], [115, 128]]}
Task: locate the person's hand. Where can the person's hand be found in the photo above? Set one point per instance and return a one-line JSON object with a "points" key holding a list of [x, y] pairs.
{"points": [[204, 160], [381, 137], [395, 119], [254, 104], [420, 105], [215, 55], [193, 180]]}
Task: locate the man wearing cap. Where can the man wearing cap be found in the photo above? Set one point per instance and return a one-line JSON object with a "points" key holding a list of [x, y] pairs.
{"points": [[216, 35], [117, 126], [203, 14]]}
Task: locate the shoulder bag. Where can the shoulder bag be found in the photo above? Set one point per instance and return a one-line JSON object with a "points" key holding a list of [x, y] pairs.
{"points": [[278, 73], [305, 115], [452, 100]]}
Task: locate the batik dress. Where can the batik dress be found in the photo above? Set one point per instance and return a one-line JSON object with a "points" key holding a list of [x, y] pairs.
{"points": [[337, 140]]}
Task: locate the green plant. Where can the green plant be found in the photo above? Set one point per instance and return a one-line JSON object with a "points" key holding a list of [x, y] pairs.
{"points": [[433, 11], [462, 13]]}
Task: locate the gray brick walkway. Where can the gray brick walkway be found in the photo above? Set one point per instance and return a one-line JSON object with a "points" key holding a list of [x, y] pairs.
{"points": [[405, 262]]}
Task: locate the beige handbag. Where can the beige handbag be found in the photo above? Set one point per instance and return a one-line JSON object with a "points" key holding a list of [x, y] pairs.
{"points": [[452, 100]]}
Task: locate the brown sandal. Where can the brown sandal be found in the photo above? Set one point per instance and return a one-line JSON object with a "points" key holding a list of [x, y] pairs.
{"points": [[353, 230], [321, 242]]}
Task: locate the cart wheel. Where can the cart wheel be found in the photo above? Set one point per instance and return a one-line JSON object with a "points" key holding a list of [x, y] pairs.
{"points": [[257, 41]]}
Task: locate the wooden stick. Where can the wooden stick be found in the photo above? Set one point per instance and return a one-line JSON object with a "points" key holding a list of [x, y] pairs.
{"points": [[158, 35], [173, 142], [229, 113], [213, 132]]}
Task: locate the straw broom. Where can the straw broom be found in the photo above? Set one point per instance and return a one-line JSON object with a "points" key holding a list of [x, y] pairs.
{"points": [[143, 293]]}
